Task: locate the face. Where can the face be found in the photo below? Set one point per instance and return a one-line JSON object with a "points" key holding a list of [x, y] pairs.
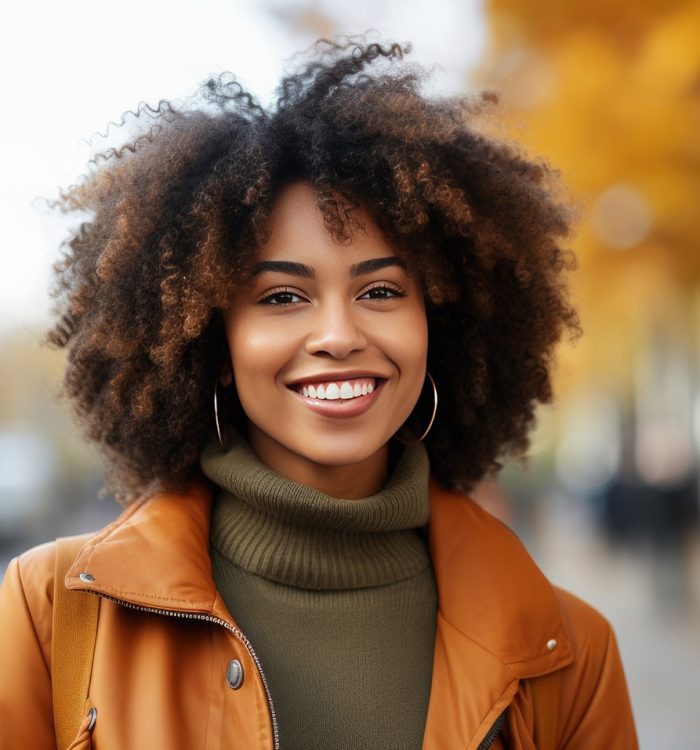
{"points": [[328, 342]]}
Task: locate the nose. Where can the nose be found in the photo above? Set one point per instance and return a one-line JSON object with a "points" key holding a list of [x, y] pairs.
{"points": [[336, 331]]}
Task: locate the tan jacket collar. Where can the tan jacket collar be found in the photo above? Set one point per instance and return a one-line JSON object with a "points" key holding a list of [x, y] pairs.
{"points": [[156, 555]]}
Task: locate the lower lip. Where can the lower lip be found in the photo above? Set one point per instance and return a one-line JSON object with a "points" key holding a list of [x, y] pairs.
{"points": [[351, 407]]}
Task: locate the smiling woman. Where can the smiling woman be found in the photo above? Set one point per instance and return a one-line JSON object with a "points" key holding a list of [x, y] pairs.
{"points": [[318, 322], [299, 335]]}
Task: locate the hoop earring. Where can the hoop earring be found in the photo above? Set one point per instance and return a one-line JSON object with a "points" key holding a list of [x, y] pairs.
{"points": [[216, 414], [432, 416]]}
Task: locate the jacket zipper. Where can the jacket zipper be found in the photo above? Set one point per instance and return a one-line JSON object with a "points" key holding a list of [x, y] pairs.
{"points": [[207, 618], [491, 735]]}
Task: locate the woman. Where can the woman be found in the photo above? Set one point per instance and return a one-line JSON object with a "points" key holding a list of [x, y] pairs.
{"points": [[299, 335]]}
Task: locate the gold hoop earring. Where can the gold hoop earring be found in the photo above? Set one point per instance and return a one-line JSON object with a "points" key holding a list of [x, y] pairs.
{"points": [[432, 416], [216, 414]]}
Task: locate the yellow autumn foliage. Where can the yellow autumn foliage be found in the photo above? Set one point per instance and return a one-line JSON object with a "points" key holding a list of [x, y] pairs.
{"points": [[610, 94]]}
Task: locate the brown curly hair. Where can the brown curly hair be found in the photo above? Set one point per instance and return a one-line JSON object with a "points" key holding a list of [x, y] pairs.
{"points": [[176, 215]]}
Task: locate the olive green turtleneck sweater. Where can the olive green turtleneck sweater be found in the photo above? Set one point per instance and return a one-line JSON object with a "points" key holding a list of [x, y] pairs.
{"points": [[337, 597]]}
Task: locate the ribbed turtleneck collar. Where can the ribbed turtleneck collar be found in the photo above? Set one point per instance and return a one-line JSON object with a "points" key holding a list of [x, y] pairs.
{"points": [[294, 535]]}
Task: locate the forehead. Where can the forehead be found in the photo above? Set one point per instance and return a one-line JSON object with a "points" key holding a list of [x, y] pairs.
{"points": [[298, 232]]}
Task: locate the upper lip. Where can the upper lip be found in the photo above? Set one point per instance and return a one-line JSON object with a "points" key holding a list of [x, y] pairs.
{"points": [[323, 377]]}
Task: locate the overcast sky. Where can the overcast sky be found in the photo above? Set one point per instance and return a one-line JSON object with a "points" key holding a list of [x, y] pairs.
{"points": [[70, 67]]}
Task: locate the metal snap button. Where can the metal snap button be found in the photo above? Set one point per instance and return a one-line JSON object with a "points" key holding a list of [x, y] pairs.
{"points": [[234, 674], [87, 577], [551, 644]]}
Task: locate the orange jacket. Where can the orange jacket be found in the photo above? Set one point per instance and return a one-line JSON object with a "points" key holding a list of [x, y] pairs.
{"points": [[505, 639]]}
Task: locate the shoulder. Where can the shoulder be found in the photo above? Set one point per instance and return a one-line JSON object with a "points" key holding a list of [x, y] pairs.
{"points": [[585, 702], [593, 643], [26, 604], [589, 697], [35, 569], [27, 589], [597, 664], [31, 574], [588, 629]]}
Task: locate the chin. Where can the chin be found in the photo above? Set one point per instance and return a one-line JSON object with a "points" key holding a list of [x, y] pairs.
{"points": [[344, 451], [330, 449]]}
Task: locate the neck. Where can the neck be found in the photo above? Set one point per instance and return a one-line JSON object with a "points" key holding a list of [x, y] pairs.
{"points": [[351, 481]]}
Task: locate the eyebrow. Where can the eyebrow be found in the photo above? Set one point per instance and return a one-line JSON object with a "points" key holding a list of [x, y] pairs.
{"points": [[299, 269], [376, 264], [283, 266]]}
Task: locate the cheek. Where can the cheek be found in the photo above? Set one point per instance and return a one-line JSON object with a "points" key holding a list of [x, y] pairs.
{"points": [[246, 351], [406, 343], [258, 355], [414, 336], [417, 354], [251, 371], [250, 359]]}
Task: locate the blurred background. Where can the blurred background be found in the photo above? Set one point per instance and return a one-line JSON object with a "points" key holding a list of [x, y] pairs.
{"points": [[608, 93]]}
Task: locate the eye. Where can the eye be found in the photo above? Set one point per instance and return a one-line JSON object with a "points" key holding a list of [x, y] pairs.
{"points": [[382, 291], [280, 297]]}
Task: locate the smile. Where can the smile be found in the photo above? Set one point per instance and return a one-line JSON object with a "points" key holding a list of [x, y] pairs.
{"points": [[342, 390], [344, 398]]}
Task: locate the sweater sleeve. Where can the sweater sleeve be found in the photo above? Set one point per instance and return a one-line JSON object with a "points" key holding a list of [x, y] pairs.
{"points": [[595, 709], [26, 713]]}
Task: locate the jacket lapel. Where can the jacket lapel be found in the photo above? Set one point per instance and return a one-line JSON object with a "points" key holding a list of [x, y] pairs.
{"points": [[155, 555], [470, 689], [499, 621]]}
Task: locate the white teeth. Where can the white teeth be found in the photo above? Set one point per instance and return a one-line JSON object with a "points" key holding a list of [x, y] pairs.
{"points": [[344, 390]]}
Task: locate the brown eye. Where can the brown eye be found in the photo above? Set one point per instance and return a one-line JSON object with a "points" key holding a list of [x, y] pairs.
{"points": [[382, 292], [281, 297]]}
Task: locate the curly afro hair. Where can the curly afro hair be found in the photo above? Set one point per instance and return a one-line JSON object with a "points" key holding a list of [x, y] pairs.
{"points": [[176, 214]]}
